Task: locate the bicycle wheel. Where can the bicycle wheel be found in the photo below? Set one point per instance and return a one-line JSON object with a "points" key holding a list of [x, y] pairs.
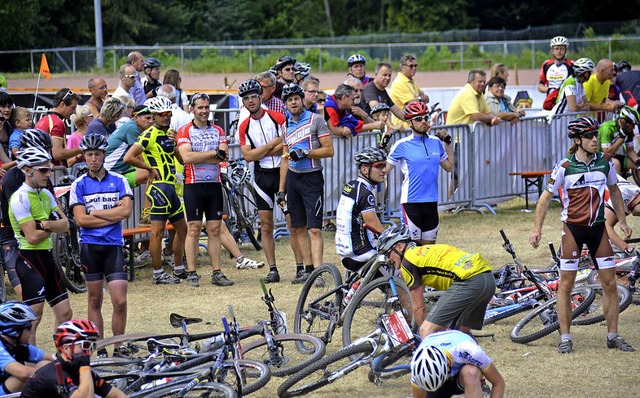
{"points": [[247, 212], [403, 352], [543, 320], [365, 310], [286, 359], [253, 374], [118, 372], [595, 312], [621, 279], [319, 305], [210, 390], [323, 372], [66, 256]]}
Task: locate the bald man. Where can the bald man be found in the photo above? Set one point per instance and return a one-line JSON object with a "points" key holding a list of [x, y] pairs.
{"points": [[99, 92], [596, 89], [136, 60]]}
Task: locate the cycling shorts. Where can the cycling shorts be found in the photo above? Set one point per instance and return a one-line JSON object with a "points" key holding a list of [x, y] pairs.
{"points": [[165, 203], [304, 198], [131, 178], [203, 199], [450, 388], [40, 278], [267, 184], [573, 239], [102, 262], [422, 219], [10, 257]]}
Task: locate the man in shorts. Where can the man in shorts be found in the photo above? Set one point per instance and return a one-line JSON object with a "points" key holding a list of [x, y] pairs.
{"points": [[466, 277], [100, 200], [202, 146], [157, 147]]}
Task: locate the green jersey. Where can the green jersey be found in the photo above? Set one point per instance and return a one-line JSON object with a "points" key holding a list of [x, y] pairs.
{"points": [[30, 204]]}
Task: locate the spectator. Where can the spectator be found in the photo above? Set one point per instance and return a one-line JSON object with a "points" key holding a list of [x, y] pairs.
{"points": [[285, 73], [555, 71], [380, 112], [499, 103], [357, 109], [377, 92], [127, 112], [178, 116], [404, 88], [172, 77], [629, 82], [80, 119], [268, 83], [615, 137], [21, 119], [104, 124], [338, 114], [469, 105], [311, 90], [6, 104], [136, 60], [151, 79], [596, 89], [571, 96], [356, 64], [99, 92], [500, 70], [614, 88], [322, 99], [127, 82], [65, 102]]}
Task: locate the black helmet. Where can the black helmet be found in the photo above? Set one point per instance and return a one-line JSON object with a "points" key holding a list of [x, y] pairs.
{"points": [[379, 107], [623, 66], [291, 89], [284, 61], [581, 125], [249, 86], [93, 142], [152, 63], [35, 138], [369, 155]]}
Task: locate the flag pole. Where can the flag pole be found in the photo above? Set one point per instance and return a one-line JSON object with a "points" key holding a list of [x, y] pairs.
{"points": [[35, 97]]}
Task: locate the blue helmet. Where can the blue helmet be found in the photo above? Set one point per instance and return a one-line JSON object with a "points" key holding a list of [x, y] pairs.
{"points": [[15, 316]]}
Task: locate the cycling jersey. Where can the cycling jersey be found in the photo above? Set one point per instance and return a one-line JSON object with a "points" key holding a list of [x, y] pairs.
{"points": [[21, 354], [553, 75], [630, 195], [201, 140], [352, 239], [440, 265], [305, 134], [158, 153], [103, 194], [607, 131], [150, 86], [28, 204], [583, 188], [258, 132], [419, 158], [44, 382], [119, 143], [571, 86]]}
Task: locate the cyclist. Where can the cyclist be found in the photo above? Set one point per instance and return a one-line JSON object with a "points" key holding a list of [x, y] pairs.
{"points": [[100, 200], [356, 64], [75, 341], [202, 146], [157, 147], [466, 277], [555, 71], [151, 80], [452, 363], [357, 205], [583, 175], [34, 215], [420, 157], [571, 96], [18, 359], [615, 137], [631, 197]]}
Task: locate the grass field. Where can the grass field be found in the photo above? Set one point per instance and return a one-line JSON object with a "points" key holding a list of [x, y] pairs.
{"points": [[533, 370]]}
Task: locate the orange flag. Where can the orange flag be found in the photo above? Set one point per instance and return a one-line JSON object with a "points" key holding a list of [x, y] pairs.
{"points": [[44, 68]]}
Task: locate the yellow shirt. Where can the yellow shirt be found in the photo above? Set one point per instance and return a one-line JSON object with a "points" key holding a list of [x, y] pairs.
{"points": [[596, 93], [403, 90], [464, 104]]}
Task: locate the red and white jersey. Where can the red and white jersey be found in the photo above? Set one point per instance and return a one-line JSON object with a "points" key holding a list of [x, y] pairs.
{"points": [[258, 132], [201, 140]]}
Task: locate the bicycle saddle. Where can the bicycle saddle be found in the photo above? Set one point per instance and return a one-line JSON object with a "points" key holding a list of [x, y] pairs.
{"points": [[153, 344], [176, 320]]}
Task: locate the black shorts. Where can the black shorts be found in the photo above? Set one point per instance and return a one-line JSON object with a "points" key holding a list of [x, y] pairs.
{"points": [[422, 219], [450, 388], [10, 257], [267, 184], [165, 203], [102, 262], [305, 193], [40, 278], [203, 199]]}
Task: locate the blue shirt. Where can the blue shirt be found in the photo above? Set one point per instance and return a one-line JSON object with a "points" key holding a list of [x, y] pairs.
{"points": [[28, 352], [305, 134], [103, 194], [14, 141]]}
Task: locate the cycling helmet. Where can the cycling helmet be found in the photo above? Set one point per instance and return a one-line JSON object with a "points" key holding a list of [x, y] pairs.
{"points": [[240, 174], [429, 368], [32, 157], [369, 155], [581, 125], [559, 41], [414, 109], [94, 141], [291, 89], [249, 86], [273, 70], [630, 115], [379, 107], [15, 316], [356, 59], [302, 68], [75, 330], [152, 63], [158, 104], [35, 138], [392, 236], [582, 66], [284, 61], [624, 66]]}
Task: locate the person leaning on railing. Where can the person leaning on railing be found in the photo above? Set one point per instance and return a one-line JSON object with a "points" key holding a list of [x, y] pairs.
{"points": [[500, 103]]}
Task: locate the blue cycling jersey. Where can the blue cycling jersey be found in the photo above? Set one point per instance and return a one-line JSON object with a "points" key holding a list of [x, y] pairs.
{"points": [[23, 353]]}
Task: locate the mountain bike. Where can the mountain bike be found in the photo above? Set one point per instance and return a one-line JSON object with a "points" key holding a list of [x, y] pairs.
{"points": [[239, 208]]}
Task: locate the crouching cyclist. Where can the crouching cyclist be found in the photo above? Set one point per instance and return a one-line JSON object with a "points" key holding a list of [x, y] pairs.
{"points": [[18, 359], [74, 341]]}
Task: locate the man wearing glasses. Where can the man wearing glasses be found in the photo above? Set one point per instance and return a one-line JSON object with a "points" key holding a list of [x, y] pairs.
{"points": [[404, 88], [469, 105], [268, 83], [64, 105], [286, 73], [555, 71], [311, 90], [127, 75]]}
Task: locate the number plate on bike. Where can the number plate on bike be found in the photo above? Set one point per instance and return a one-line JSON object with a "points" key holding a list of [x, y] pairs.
{"points": [[397, 327]]}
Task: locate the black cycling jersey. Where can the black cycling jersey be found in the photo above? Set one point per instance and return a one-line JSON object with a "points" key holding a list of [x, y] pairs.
{"points": [[44, 382], [352, 239]]}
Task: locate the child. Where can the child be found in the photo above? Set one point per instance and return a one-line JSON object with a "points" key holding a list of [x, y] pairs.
{"points": [[21, 119], [380, 112]]}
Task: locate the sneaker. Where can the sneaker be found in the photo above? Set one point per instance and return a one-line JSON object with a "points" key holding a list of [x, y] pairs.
{"points": [[145, 217], [143, 257], [566, 346], [181, 275], [165, 279], [102, 353], [619, 343], [301, 277], [220, 279], [272, 277], [249, 263], [193, 279], [168, 259], [319, 282]]}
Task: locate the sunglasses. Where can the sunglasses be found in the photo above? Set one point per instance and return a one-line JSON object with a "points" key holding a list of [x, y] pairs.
{"points": [[313, 91], [412, 66], [130, 76], [250, 97], [67, 94], [379, 165], [164, 114], [144, 110], [85, 344], [320, 101], [43, 170], [420, 118], [589, 135], [198, 96], [287, 69]]}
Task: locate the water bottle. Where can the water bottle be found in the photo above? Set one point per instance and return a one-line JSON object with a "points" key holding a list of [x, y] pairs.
{"points": [[213, 343], [154, 383], [351, 292]]}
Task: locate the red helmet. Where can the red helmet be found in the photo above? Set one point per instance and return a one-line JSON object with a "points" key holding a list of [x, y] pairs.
{"points": [[75, 330], [414, 109]]}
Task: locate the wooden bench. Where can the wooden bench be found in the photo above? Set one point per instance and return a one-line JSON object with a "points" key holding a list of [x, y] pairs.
{"points": [[129, 235], [531, 179], [453, 63]]}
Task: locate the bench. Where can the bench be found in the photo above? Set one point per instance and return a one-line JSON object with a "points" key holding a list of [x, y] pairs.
{"points": [[453, 63], [531, 179], [129, 235]]}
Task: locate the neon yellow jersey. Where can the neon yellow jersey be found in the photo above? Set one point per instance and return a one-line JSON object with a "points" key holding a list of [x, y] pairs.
{"points": [[158, 152], [438, 266], [30, 204]]}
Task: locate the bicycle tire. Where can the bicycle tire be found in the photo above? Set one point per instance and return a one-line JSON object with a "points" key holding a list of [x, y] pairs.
{"points": [[321, 379], [126, 339], [366, 308], [290, 360], [635, 173], [226, 215], [210, 390], [548, 315], [248, 212], [66, 256], [323, 316], [396, 354], [116, 371], [594, 314], [621, 279]]}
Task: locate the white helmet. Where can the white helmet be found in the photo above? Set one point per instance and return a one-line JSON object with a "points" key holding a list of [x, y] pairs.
{"points": [[429, 368], [158, 104], [582, 66], [559, 41], [32, 156]]}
